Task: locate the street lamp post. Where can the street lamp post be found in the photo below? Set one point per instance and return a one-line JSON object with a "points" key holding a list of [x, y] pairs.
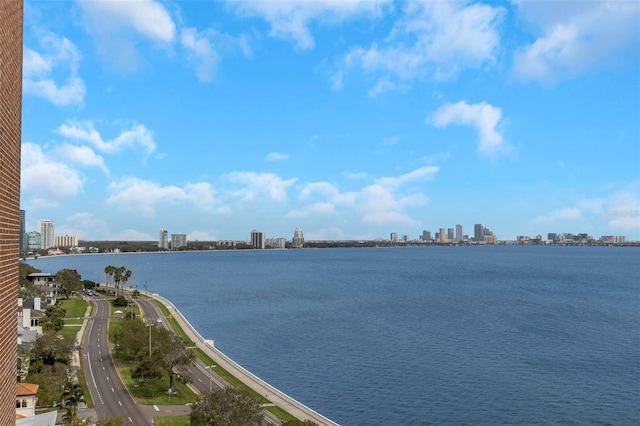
{"points": [[149, 326], [210, 368]]}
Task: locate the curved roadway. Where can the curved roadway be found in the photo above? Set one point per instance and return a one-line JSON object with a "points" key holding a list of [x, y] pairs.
{"points": [[110, 396]]}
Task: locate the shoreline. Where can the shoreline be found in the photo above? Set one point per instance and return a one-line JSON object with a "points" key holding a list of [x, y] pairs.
{"points": [[275, 396]]}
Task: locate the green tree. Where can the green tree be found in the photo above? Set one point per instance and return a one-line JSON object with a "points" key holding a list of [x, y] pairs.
{"points": [[119, 301], [130, 338], [109, 270], [226, 407], [88, 284], [171, 352], [147, 370], [299, 423], [121, 276], [51, 348], [69, 281], [72, 395], [52, 322]]}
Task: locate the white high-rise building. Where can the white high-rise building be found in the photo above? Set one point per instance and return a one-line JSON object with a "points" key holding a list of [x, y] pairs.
{"points": [[298, 238], [46, 228], [178, 240], [163, 239]]}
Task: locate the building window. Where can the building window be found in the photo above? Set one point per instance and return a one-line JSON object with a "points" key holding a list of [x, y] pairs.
{"points": [[17, 403], [24, 403]]}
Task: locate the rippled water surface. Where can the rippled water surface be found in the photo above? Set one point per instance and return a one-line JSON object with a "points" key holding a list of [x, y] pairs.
{"points": [[417, 336]]}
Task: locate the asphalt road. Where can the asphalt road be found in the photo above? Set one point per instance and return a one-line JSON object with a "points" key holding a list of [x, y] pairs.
{"points": [[201, 375], [110, 396]]}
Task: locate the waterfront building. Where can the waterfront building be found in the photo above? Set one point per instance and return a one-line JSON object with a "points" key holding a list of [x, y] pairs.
{"points": [[426, 235], [46, 228], [459, 236], [450, 234], [11, 14], [66, 241], [178, 240], [277, 243], [490, 239], [34, 241], [163, 239], [393, 237], [477, 232], [23, 232], [298, 239], [257, 239], [443, 236]]}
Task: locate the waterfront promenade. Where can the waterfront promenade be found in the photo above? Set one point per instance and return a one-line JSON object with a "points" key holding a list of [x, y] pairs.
{"points": [[276, 397]]}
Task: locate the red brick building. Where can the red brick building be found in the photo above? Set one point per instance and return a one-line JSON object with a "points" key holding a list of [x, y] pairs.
{"points": [[11, 13]]}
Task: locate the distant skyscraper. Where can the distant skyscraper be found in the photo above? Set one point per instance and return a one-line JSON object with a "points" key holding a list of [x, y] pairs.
{"points": [[450, 234], [298, 238], [257, 239], [46, 228], [443, 236], [477, 232], [11, 14], [426, 235], [178, 240], [459, 236], [163, 239], [394, 237], [23, 232]]}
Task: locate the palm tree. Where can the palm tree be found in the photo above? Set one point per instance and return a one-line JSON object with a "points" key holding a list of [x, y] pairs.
{"points": [[109, 270], [72, 395]]}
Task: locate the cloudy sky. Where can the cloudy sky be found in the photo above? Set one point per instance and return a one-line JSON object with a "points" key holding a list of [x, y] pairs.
{"points": [[349, 119]]}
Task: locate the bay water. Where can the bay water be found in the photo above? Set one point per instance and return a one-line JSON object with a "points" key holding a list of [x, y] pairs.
{"points": [[416, 336]]}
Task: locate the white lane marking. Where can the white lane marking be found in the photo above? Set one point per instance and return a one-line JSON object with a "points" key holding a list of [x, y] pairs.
{"points": [[130, 420], [120, 403], [155, 407], [113, 390], [93, 378]]}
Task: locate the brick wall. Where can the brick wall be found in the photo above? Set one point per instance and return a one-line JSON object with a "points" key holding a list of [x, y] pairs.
{"points": [[11, 12]]}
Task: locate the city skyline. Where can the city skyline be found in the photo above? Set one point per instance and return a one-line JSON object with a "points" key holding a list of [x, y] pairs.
{"points": [[349, 120]]}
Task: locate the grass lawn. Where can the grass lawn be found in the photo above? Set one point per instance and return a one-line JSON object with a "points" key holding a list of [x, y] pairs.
{"points": [[71, 322], [150, 393], [75, 308], [172, 421], [70, 332]]}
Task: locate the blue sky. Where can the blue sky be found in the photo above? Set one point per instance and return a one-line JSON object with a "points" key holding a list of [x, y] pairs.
{"points": [[348, 119]]}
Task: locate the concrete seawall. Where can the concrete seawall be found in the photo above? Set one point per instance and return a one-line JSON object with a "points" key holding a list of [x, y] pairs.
{"points": [[274, 395]]}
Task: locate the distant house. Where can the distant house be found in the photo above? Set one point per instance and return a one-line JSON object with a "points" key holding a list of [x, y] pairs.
{"points": [[45, 282], [26, 400]]}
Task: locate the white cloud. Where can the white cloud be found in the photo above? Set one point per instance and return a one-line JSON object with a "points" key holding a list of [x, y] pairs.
{"points": [[138, 135], [147, 17], [575, 35], [81, 155], [277, 156], [44, 181], [114, 26], [201, 236], [433, 39], [379, 205], [423, 173], [251, 185], [384, 202], [622, 209], [482, 116], [290, 20], [59, 55], [202, 53], [559, 215], [143, 196], [132, 235]]}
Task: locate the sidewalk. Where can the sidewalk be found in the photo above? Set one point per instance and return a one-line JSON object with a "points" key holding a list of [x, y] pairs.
{"points": [[275, 396]]}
